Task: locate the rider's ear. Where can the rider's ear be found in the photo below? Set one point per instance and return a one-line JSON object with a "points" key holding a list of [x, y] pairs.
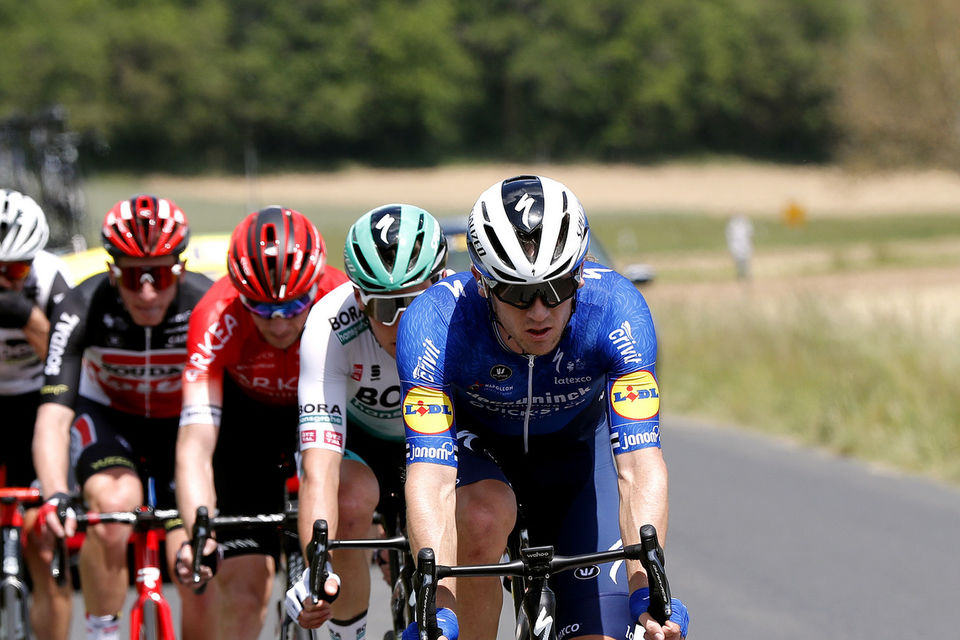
{"points": [[479, 279], [356, 296]]}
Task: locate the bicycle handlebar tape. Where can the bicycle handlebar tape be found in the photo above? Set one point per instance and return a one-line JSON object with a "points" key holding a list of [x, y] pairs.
{"points": [[201, 531], [653, 563]]}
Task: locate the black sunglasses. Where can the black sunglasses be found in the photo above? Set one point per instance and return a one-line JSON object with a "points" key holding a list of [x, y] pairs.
{"points": [[522, 296]]}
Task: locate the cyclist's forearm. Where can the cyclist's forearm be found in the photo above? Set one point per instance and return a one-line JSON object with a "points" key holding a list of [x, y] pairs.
{"points": [[51, 447], [194, 471], [319, 487], [643, 500], [431, 515], [37, 332]]}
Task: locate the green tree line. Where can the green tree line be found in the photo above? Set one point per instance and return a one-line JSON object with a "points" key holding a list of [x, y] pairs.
{"points": [[190, 84]]}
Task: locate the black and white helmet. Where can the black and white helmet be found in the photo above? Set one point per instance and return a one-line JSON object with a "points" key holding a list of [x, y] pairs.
{"points": [[23, 227], [527, 229]]}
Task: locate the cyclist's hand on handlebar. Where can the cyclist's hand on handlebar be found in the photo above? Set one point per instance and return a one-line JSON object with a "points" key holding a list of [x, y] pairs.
{"points": [[301, 607], [674, 628], [446, 621], [57, 516], [209, 563]]}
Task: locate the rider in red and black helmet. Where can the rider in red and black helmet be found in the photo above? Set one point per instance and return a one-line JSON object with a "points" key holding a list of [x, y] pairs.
{"points": [[240, 398], [144, 226], [275, 255]]}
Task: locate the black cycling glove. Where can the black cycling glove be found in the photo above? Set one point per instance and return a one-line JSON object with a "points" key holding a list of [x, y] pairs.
{"points": [[15, 309]]}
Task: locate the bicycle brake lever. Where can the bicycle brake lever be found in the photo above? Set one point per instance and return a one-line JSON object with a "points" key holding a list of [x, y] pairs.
{"points": [[317, 556], [201, 531], [653, 563], [58, 565]]}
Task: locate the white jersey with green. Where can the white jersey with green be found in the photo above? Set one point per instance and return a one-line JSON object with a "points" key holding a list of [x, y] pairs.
{"points": [[345, 376]]}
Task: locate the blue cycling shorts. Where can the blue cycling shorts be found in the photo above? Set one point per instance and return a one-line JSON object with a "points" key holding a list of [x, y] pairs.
{"points": [[568, 497]]}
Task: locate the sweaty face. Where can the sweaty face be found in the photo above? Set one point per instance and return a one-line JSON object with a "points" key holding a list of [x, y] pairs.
{"points": [[536, 330], [281, 332], [147, 305]]}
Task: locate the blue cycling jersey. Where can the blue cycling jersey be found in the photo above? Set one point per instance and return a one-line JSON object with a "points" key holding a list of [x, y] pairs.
{"points": [[455, 372]]}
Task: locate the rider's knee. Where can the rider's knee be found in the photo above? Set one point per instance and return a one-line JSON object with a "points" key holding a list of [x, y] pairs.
{"points": [[113, 490], [486, 513], [355, 513], [357, 500]]}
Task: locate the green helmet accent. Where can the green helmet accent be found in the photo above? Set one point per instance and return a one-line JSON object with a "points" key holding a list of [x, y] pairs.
{"points": [[394, 247]]}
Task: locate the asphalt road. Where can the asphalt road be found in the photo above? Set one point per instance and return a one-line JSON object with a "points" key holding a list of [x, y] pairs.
{"points": [[771, 540]]}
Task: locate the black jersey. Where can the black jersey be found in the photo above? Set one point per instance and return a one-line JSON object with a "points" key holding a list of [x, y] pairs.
{"points": [[98, 352]]}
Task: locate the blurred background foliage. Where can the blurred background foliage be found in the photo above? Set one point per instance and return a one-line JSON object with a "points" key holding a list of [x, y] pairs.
{"points": [[188, 85]]}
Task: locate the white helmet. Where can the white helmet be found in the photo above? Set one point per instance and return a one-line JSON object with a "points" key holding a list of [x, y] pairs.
{"points": [[527, 229], [23, 227]]}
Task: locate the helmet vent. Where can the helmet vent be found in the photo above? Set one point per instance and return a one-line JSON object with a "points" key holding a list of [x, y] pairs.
{"points": [[530, 243], [498, 247], [415, 251], [562, 234]]}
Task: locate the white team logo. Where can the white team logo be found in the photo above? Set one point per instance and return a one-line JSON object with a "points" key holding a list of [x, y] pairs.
{"points": [[384, 225], [542, 628], [525, 204]]}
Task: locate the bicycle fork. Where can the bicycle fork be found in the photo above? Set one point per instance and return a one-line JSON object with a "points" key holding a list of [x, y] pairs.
{"points": [[151, 611]]}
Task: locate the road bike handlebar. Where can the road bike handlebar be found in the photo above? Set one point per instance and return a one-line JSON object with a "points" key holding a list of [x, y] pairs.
{"points": [[653, 561], [540, 563], [143, 519], [318, 552]]}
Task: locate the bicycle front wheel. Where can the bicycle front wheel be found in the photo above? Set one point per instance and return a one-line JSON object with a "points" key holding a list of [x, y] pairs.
{"points": [[15, 624]]}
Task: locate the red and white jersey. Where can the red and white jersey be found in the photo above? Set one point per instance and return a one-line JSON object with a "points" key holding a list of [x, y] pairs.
{"points": [[224, 340], [98, 352]]}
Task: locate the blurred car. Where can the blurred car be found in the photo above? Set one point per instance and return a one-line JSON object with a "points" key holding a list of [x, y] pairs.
{"points": [[206, 253], [458, 257]]}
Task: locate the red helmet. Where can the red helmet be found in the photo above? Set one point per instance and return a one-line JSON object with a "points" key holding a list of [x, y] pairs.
{"points": [[275, 255], [145, 226]]}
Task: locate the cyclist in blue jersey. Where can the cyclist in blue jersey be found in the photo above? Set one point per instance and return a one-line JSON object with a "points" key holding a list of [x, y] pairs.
{"points": [[531, 381]]}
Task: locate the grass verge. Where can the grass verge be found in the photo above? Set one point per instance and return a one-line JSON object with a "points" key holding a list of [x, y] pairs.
{"points": [[872, 390]]}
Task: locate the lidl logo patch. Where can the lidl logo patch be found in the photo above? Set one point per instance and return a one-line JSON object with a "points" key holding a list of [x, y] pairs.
{"points": [[636, 396], [427, 410]]}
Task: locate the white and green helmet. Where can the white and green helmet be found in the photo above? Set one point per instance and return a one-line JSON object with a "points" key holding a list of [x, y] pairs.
{"points": [[394, 247]]}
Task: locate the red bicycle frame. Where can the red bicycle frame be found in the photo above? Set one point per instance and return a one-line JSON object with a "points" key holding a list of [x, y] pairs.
{"points": [[146, 538]]}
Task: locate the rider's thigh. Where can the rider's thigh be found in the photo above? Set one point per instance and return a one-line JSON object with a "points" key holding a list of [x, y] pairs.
{"points": [[486, 513], [358, 497], [246, 582], [113, 489]]}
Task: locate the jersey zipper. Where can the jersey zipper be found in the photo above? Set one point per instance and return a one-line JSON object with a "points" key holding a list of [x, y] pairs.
{"points": [[526, 415], [146, 394]]}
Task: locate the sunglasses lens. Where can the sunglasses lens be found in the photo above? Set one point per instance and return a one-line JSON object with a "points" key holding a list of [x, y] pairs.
{"points": [[160, 277], [15, 270], [285, 310], [552, 292], [386, 310]]}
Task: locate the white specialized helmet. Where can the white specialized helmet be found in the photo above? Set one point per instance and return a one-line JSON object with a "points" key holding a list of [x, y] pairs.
{"points": [[23, 227], [527, 229]]}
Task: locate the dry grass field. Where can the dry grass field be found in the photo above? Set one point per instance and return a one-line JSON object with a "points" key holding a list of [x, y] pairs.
{"points": [[757, 189], [845, 338]]}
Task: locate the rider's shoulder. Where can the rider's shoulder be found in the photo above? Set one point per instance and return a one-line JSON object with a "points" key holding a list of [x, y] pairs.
{"points": [[220, 298], [48, 265], [338, 303]]}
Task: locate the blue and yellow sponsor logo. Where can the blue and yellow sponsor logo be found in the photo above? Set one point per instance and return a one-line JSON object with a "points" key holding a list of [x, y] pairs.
{"points": [[636, 396], [427, 410]]}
